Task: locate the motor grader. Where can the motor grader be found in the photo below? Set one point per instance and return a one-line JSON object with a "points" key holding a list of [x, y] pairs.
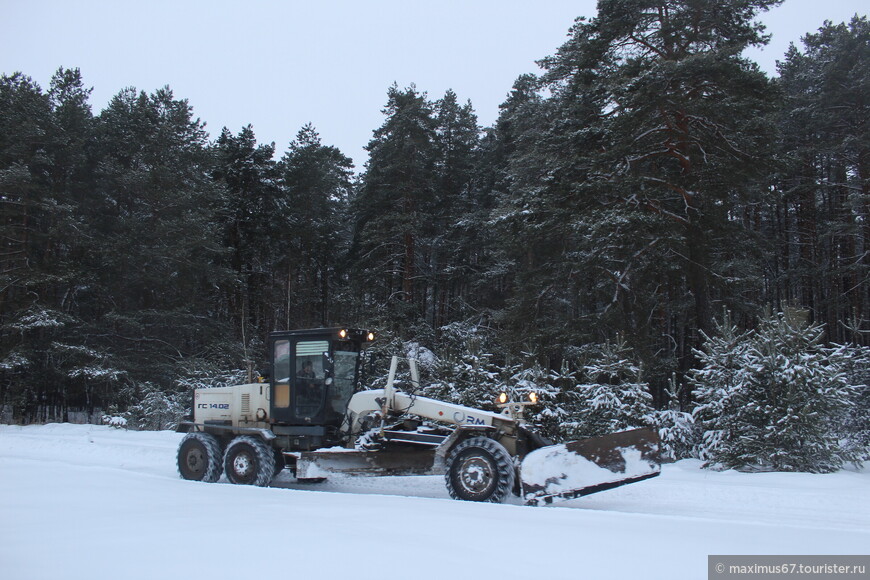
{"points": [[310, 416]]}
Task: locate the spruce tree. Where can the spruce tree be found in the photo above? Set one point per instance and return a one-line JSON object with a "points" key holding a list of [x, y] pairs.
{"points": [[803, 396], [611, 394], [718, 384], [775, 399]]}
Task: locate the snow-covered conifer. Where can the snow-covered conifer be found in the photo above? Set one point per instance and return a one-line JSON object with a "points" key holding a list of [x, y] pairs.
{"points": [[612, 395], [855, 430], [676, 428], [156, 410], [775, 399], [717, 386]]}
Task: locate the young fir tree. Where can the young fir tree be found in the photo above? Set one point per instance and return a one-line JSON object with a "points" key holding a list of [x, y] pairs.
{"points": [[464, 372], [803, 394], [611, 395], [718, 388], [775, 399], [855, 429], [466, 379], [553, 415], [676, 427]]}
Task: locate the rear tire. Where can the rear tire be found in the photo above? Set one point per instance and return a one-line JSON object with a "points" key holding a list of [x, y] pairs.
{"points": [[249, 461], [199, 458], [479, 469]]}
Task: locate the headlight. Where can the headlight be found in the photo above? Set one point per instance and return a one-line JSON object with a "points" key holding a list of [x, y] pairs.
{"points": [[502, 398], [533, 397]]}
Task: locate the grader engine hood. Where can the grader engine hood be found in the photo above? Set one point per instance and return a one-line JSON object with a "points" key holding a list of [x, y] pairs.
{"points": [[239, 404]]}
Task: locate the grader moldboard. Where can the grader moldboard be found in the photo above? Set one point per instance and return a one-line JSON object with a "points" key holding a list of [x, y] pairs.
{"points": [[310, 417]]}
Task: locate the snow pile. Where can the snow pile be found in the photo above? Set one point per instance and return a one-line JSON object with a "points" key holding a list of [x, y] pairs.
{"points": [[556, 469]]}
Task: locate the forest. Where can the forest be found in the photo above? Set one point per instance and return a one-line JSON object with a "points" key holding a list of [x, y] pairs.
{"points": [[653, 231]]}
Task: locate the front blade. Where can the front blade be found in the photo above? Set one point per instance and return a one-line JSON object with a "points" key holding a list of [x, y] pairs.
{"points": [[587, 466]]}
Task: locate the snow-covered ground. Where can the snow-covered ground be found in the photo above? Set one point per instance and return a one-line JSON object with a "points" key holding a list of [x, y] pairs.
{"points": [[79, 501]]}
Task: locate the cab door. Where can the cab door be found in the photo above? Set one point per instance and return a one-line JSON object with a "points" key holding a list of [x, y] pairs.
{"points": [[299, 386]]}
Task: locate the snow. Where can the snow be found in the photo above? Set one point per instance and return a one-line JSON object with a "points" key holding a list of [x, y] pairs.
{"points": [[577, 471], [425, 357], [36, 319], [85, 501]]}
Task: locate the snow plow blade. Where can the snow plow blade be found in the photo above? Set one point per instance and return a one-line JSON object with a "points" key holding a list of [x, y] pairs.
{"points": [[586, 466]]}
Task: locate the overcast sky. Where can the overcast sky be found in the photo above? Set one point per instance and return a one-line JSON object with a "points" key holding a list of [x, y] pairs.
{"points": [[280, 64]]}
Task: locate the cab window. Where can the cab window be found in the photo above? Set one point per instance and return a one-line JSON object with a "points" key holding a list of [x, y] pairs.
{"points": [[281, 372], [310, 385]]}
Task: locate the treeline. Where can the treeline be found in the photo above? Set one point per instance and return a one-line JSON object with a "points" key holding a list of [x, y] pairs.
{"points": [[647, 181]]}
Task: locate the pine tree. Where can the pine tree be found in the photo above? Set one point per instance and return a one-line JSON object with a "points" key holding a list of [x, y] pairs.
{"points": [[454, 229], [248, 215], [532, 222], [395, 199], [26, 126], [825, 182], [625, 193], [317, 182], [157, 259], [46, 167]]}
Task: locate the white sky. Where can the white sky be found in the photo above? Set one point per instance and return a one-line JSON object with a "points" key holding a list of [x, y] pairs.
{"points": [[280, 64]]}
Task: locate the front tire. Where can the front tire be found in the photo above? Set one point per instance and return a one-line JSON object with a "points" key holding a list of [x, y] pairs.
{"points": [[249, 461], [479, 469], [199, 457]]}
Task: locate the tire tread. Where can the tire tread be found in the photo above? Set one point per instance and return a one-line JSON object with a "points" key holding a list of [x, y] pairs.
{"points": [[503, 462], [264, 456], [214, 456]]}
